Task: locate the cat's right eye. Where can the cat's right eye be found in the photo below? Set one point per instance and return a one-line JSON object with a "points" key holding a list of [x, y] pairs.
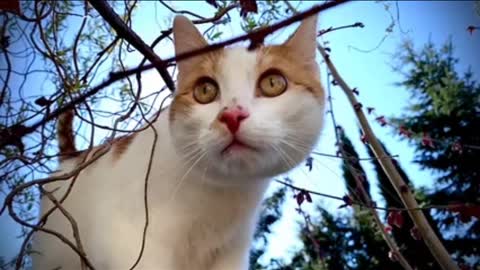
{"points": [[205, 91], [272, 83]]}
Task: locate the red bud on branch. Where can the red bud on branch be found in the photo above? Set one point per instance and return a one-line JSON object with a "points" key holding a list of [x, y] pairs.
{"points": [[247, 6], [471, 29], [381, 120], [347, 200], [213, 3], [395, 218], [364, 139], [457, 147], [355, 91], [405, 132], [415, 233], [427, 140], [393, 256], [302, 196], [466, 212], [10, 5], [358, 106]]}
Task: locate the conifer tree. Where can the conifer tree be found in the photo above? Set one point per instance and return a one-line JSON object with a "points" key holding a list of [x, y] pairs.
{"points": [[404, 233], [442, 124]]}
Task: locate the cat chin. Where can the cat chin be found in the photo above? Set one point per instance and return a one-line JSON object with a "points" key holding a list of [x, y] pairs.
{"points": [[239, 178], [241, 169]]}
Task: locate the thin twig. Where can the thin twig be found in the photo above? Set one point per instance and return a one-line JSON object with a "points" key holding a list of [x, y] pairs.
{"points": [[332, 29], [359, 203], [73, 223], [128, 34]]}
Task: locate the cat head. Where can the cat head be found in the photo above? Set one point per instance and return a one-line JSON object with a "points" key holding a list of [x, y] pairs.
{"points": [[240, 114]]}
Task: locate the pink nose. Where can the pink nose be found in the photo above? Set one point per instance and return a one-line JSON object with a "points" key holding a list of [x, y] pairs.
{"points": [[232, 117]]}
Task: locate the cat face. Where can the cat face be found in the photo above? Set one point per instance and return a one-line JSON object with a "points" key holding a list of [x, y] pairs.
{"points": [[240, 114]]}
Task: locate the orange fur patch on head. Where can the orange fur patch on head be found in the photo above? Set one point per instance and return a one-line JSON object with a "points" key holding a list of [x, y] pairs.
{"points": [[121, 144], [66, 136], [201, 66], [297, 71], [181, 105]]}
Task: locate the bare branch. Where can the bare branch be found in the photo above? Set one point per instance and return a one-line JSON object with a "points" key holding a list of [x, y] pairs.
{"points": [[128, 34]]}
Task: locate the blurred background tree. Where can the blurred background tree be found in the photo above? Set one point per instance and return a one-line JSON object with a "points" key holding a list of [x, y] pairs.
{"points": [[445, 109]]}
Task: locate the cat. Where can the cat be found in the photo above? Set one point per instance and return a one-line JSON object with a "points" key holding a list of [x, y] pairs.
{"points": [[238, 118]]}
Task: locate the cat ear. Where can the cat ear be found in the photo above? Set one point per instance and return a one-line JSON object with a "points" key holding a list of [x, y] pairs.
{"points": [[303, 43], [186, 37]]}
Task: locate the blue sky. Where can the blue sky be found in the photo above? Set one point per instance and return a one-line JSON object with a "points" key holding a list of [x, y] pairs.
{"points": [[370, 72]]}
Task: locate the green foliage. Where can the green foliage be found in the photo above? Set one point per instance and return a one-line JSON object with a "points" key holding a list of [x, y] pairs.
{"points": [[446, 106], [331, 235], [269, 12], [271, 213], [352, 171], [342, 241], [414, 250]]}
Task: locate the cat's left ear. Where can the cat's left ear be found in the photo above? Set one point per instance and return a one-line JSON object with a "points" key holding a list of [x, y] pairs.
{"points": [[186, 37], [303, 43]]}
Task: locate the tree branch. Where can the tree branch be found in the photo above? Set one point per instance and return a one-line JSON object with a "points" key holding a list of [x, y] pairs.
{"points": [[332, 29], [129, 35]]}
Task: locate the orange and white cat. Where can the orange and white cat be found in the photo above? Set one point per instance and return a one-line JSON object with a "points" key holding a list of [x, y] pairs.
{"points": [[238, 118]]}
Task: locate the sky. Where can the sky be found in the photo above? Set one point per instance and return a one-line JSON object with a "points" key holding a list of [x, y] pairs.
{"points": [[371, 72]]}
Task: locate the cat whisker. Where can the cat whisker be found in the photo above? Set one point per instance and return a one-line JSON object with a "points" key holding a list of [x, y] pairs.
{"points": [[294, 136], [180, 182], [317, 162], [295, 148], [188, 158], [294, 144], [280, 153], [202, 179], [185, 147], [291, 162]]}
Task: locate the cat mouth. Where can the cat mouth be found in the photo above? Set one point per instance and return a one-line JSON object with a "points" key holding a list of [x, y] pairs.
{"points": [[236, 145]]}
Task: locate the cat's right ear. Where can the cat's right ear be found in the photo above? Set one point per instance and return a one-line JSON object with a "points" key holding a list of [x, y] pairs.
{"points": [[303, 43], [186, 37]]}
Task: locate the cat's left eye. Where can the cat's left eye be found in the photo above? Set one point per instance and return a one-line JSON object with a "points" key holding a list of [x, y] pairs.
{"points": [[272, 83], [205, 91]]}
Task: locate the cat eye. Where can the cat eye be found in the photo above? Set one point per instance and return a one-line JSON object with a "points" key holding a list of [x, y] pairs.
{"points": [[205, 90], [272, 83]]}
